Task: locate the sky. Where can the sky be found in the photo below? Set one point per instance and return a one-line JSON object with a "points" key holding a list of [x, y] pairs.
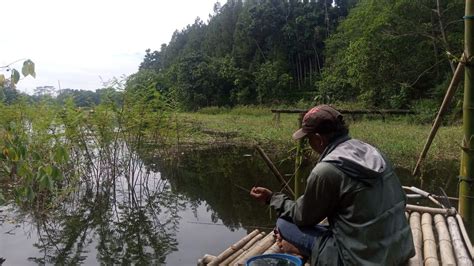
{"points": [[80, 44]]}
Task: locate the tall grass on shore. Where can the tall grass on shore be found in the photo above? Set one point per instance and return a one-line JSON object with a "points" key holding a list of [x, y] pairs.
{"points": [[401, 138]]}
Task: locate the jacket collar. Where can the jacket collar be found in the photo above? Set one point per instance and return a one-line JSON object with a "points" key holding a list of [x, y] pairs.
{"points": [[331, 146]]}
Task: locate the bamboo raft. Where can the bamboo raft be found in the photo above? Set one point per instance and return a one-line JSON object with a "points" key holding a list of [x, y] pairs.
{"points": [[439, 236]]}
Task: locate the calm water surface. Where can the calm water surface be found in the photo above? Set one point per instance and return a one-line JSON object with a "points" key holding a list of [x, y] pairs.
{"points": [[170, 212]]}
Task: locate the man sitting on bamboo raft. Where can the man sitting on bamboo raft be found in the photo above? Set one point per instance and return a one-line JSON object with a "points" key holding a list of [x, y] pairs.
{"points": [[355, 187]]}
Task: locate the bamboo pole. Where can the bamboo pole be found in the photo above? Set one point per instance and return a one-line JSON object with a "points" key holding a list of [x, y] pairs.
{"points": [[465, 236], [460, 251], [242, 254], [244, 248], [205, 259], [424, 209], [299, 179], [273, 249], [259, 248], [445, 246], [429, 242], [226, 253], [444, 106], [418, 196], [274, 169], [424, 194], [417, 239], [466, 190]]}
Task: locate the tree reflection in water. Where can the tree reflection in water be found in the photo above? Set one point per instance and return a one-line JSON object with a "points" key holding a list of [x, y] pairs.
{"points": [[129, 211], [128, 219], [214, 174]]}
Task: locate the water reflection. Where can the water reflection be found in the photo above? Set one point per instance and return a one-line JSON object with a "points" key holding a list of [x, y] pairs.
{"points": [[134, 221], [217, 176], [135, 218], [161, 209]]}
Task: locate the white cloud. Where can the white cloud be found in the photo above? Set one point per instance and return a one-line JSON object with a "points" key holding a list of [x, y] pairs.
{"points": [[77, 42]]}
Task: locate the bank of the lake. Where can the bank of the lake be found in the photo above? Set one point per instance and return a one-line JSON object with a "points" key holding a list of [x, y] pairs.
{"points": [[401, 138]]}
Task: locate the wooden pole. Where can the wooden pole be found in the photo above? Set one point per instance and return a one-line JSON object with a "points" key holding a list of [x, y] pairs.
{"points": [[429, 242], [444, 106], [274, 169], [445, 247], [460, 251], [417, 239], [466, 181], [299, 179]]}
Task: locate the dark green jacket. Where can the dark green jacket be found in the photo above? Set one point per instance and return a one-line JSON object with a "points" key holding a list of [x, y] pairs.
{"points": [[355, 187]]}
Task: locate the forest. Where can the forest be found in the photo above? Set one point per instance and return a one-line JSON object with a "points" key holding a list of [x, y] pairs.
{"points": [[375, 53], [379, 53]]}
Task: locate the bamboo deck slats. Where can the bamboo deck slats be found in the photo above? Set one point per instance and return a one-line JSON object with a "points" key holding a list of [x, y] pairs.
{"points": [[415, 225], [439, 238], [444, 241]]}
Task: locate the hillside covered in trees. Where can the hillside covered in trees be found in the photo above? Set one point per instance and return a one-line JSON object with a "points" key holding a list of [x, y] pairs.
{"points": [[382, 53]]}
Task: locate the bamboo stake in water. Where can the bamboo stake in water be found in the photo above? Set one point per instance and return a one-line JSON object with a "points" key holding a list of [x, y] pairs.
{"points": [[299, 179], [444, 106]]}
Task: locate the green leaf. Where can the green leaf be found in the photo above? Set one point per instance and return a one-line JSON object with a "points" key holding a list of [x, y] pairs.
{"points": [[2, 199], [60, 155], [48, 170], [30, 194], [56, 174], [15, 76], [25, 171], [13, 155], [46, 182], [2, 80], [28, 68]]}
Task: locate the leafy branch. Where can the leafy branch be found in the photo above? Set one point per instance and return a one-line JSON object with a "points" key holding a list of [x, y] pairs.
{"points": [[28, 68]]}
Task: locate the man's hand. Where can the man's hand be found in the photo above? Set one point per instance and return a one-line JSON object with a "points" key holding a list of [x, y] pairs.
{"points": [[261, 194]]}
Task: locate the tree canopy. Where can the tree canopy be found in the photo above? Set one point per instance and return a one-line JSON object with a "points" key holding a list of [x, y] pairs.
{"points": [[249, 52], [381, 53]]}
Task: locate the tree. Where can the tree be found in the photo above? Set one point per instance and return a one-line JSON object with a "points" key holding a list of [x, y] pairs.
{"points": [[386, 53]]}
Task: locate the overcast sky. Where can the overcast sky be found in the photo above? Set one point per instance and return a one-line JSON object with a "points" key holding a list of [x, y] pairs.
{"points": [[82, 43]]}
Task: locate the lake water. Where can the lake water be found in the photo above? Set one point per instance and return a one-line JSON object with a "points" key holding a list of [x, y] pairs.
{"points": [[170, 212]]}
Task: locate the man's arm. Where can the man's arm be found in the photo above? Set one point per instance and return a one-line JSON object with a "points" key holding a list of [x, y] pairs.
{"points": [[319, 200]]}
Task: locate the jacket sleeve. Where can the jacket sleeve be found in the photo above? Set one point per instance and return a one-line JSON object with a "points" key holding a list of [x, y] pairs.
{"points": [[319, 200]]}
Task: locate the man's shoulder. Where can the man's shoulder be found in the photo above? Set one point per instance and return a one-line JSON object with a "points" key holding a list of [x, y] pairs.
{"points": [[327, 170]]}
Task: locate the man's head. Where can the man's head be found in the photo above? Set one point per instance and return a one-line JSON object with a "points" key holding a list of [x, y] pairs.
{"points": [[324, 122]]}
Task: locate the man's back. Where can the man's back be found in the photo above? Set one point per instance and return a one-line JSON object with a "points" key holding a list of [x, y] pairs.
{"points": [[368, 224]]}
